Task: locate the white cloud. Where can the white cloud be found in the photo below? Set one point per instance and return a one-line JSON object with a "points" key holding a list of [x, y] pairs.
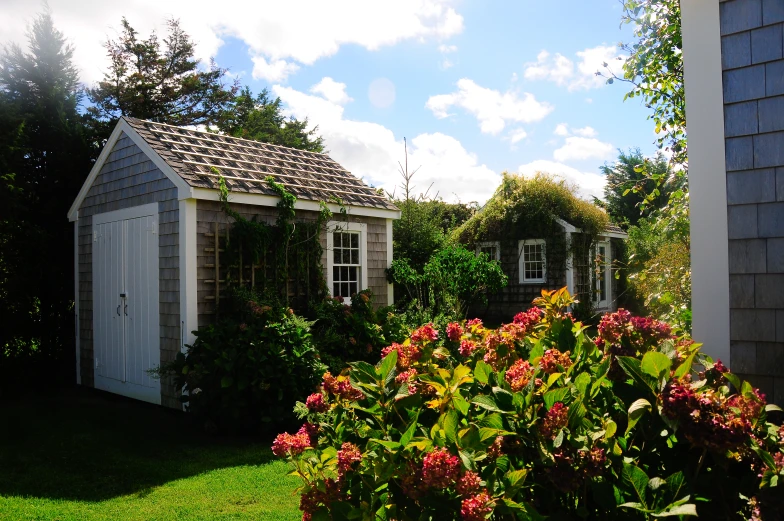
{"points": [[332, 91], [589, 184], [563, 72], [372, 151], [446, 49], [577, 148], [273, 70], [299, 31], [491, 108], [562, 129], [585, 132], [381, 93], [517, 135]]}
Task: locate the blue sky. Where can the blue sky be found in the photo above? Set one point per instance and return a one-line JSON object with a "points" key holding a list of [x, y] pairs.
{"points": [[477, 88]]}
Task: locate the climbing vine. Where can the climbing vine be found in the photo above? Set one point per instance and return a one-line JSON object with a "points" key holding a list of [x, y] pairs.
{"points": [[287, 254]]}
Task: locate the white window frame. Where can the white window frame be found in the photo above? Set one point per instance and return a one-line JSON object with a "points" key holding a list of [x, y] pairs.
{"points": [[521, 261], [603, 304], [490, 244], [342, 226]]}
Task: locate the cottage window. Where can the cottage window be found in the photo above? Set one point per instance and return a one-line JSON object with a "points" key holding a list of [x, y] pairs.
{"points": [[533, 265], [346, 259], [492, 249]]}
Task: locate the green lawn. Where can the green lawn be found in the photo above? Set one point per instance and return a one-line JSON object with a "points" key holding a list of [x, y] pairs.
{"points": [[81, 455]]}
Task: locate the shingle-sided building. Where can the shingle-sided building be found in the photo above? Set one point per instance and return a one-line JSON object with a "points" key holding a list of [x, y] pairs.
{"points": [[146, 228]]}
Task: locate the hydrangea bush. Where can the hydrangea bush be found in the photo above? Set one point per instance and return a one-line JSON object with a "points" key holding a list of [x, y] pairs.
{"points": [[536, 420]]}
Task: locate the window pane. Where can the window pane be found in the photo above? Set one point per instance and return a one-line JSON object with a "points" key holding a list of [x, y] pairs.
{"points": [[354, 256], [355, 240], [352, 274], [335, 290], [335, 273], [344, 289], [343, 274], [336, 255], [353, 288]]}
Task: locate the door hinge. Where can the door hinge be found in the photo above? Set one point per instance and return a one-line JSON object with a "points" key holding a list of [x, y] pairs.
{"points": [[95, 236]]}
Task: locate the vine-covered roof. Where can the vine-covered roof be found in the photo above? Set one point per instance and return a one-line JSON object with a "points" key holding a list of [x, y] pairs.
{"points": [[529, 207]]}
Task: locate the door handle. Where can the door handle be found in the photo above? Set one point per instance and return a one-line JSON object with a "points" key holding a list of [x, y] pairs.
{"points": [[126, 310], [118, 310]]}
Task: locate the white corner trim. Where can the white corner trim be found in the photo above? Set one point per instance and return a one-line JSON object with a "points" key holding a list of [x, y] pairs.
{"points": [[390, 256], [569, 265], [707, 177], [189, 316], [183, 188], [568, 228], [209, 194], [333, 226], [76, 303], [613, 235]]}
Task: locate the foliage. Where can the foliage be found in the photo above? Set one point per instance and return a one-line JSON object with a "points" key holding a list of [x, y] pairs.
{"points": [[358, 331], [159, 83], [261, 118], [536, 419], [45, 152], [628, 185], [528, 207], [248, 369], [659, 271], [454, 277]]}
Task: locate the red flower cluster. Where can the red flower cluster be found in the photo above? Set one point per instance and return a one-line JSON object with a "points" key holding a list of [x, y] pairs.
{"points": [[493, 344], [408, 377], [341, 387], [592, 461], [406, 354], [315, 403], [528, 319], [311, 430], [495, 450], [454, 331], [425, 333], [555, 420], [476, 508], [440, 469], [519, 375], [650, 328], [553, 361], [613, 326], [314, 498], [293, 444], [474, 322], [468, 483], [640, 331], [707, 418], [347, 456], [256, 309], [571, 468], [467, 348]]}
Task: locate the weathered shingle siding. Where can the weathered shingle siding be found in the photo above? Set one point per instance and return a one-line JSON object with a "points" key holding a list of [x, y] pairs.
{"points": [[752, 58], [129, 178], [208, 213]]}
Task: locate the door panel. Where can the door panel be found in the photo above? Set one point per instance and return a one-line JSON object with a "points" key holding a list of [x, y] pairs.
{"points": [[108, 322]]}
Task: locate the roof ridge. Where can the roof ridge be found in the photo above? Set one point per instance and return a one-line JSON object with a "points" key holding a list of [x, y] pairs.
{"points": [[254, 141]]}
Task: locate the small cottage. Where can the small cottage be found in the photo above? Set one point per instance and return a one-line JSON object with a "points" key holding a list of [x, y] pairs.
{"points": [[545, 237], [150, 231]]}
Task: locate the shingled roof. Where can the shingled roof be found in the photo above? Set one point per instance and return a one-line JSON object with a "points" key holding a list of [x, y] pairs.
{"points": [[245, 164]]}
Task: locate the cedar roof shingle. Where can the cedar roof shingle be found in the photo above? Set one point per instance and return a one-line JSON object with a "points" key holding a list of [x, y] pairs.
{"points": [[245, 165]]}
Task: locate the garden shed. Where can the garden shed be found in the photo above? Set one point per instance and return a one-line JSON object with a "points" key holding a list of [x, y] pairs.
{"points": [[545, 237], [151, 242]]}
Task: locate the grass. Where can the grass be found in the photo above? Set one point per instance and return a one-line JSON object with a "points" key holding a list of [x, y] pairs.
{"points": [[85, 455]]}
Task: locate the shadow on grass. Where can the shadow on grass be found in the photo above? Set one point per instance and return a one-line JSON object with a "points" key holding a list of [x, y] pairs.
{"points": [[91, 446]]}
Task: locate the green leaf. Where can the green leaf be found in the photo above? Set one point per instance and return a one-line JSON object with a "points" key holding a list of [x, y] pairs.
{"points": [[409, 434], [689, 509], [636, 411], [391, 446], [610, 429], [460, 404], [556, 395], [582, 382], [226, 381], [387, 366], [487, 402], [733, 379], [772, 407], [632, 367], [638, 479], [450, 426], [493, 421], [482, 372], [685, 367], [655, 364]]}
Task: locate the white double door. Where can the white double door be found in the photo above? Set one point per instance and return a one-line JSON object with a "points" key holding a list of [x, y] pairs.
{"points": [[126, 332]]}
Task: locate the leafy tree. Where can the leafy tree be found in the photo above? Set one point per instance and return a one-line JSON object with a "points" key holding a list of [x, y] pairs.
{"points": [[157, 82], [261, 118], [45, 153], [628, 185]]}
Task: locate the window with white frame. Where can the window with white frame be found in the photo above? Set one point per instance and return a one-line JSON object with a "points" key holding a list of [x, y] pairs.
{"points": [[602, 274], [346, 258], [491, 248], [533, 262]]}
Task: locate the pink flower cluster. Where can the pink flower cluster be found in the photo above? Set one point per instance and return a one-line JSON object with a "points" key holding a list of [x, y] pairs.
{"points": [[406, 354], [454, 331], [425, 333], [641, 331], [467, 348], [294, 444], [256, 309], [554, 361], [707, 418], [408, 376], [440, 469], [497, 351], [650, 328], [519, 375], [474, 323], [341, 387], [556, 419], [572, 468], [476, 508], [528, 319], [468, 483], [348, 455], [315, 403], [495, 450]]}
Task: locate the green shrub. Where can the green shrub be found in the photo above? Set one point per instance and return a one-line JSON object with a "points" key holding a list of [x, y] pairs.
{"points": [[248, 369], [535, 419], [353, 332]]}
